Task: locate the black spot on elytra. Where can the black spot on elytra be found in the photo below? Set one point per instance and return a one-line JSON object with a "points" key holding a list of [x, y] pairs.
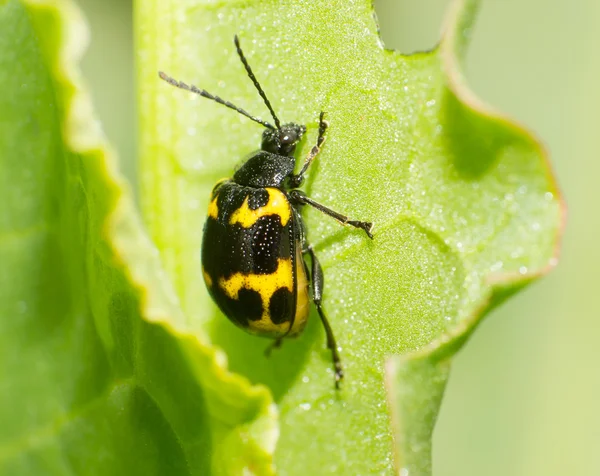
{"points": [[229, 249], [281, 306], [247, 307], [258, 198], [267, 244]]}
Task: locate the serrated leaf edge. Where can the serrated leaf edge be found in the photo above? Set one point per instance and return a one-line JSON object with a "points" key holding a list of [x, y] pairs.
{"points": [[82, 134], [455, 35]]}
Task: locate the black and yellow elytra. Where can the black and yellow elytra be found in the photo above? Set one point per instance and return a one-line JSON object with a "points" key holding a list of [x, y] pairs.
{"points": [[254, 244]]}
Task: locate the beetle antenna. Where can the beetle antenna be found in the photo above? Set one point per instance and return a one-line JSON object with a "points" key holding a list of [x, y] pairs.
{"points": [[206, 94], [255, 81]]}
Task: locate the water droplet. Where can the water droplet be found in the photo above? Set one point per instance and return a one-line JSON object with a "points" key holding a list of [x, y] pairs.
{"points": [[305, 406], [523, 269], [497, 266]]}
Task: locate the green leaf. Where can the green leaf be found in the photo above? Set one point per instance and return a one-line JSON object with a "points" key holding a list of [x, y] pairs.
{"points": [[99, 374], [416, 381], [461, 197], [105, 359]]}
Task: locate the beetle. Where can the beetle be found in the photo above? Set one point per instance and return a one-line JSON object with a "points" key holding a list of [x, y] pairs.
{"points": [[254, 245]]}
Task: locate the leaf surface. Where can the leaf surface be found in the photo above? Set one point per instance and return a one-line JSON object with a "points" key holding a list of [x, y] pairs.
{"points": [[461, 198]]}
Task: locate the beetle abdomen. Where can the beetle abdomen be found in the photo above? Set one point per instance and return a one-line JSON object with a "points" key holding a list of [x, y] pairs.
{"points": [[249, 257]]}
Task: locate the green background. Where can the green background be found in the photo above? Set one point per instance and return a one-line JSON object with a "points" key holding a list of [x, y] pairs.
{"points": [[523, 394]]}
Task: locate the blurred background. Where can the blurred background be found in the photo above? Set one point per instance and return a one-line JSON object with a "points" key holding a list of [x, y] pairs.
{"points": [[524, 394]]}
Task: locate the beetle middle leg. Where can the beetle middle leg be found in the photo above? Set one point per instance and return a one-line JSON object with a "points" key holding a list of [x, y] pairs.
{"points": [[300, 198], [317, 287]]}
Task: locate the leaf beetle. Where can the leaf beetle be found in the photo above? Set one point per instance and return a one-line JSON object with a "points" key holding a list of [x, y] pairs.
{"points": [[254, 245]]}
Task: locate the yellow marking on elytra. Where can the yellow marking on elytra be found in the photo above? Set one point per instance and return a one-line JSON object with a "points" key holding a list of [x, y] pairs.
{"points": [[277, 205], [207, 279], [265, 285], [213, 209]]}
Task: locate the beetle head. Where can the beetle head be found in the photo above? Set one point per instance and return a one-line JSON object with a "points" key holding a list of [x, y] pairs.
{"points": [[283, 141]]}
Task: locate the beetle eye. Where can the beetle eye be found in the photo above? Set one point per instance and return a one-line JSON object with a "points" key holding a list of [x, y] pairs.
{"points": [[286, 139]]}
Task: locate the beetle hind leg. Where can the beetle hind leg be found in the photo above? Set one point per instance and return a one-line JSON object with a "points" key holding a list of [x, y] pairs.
{"points": [[276, 344], [317, 287]]}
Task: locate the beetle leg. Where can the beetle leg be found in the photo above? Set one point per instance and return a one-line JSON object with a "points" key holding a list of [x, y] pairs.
{"points": [[276, 344], [297, 196], [317, 286], [296, 180]]}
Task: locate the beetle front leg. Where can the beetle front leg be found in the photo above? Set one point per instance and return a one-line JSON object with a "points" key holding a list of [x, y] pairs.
{"points": [[317, 287], [296, 180]]}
